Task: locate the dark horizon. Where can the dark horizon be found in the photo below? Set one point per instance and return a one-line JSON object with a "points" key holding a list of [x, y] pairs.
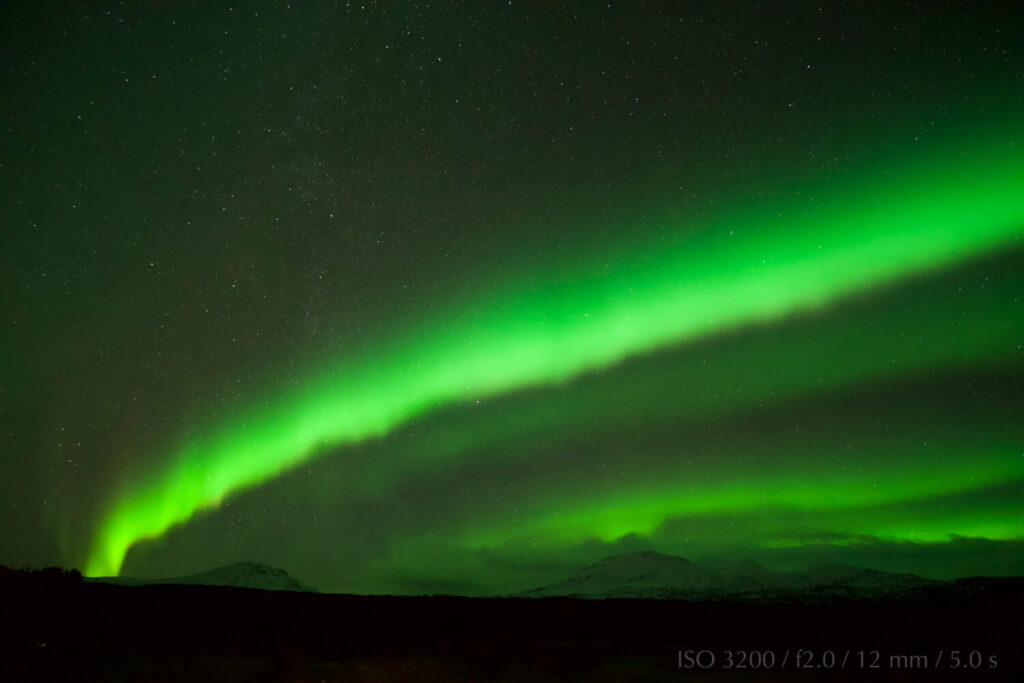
{"points": [[56, 630], [713, 564]]}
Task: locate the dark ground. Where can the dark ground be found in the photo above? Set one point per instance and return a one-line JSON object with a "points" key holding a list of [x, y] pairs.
{"points": [[56, 628]]}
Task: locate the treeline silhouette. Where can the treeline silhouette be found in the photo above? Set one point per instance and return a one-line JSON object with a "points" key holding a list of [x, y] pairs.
{"points": [[45, 577]]}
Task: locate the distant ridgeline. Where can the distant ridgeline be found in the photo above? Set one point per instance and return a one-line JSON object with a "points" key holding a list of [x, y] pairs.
{"points": [[652, 575], [237, 575]]}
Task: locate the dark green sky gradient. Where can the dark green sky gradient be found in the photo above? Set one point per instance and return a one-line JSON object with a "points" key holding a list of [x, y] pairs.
{"points": [[210, 215]]}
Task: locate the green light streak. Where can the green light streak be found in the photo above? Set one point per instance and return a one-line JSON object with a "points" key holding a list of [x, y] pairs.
{"points": [[610, 515], [769, 267], [773, 364]]}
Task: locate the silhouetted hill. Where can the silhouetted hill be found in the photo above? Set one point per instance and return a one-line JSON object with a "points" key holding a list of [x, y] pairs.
{"points": [[238, 575]]}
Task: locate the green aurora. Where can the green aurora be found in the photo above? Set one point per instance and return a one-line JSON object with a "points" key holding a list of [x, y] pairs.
{"points": [[778, 261], [420, 298]]}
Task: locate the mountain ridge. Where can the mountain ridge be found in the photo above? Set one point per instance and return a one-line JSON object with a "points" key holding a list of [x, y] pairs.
{"points": [[653, 575], [245, 574]]}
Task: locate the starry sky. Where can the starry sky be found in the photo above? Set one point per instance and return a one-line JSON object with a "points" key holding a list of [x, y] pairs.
{"points": [[456, 298]]}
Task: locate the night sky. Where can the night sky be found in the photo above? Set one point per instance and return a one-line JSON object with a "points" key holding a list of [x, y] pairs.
{"points": [[458, 298]]}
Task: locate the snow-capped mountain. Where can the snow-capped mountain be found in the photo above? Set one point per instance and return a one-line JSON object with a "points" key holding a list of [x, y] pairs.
{"points": [[856, 582], [650, 574], [238, 575]]}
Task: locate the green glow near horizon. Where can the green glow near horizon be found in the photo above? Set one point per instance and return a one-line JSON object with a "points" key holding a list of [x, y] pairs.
{"points": [[757, 267], [609, 515]]}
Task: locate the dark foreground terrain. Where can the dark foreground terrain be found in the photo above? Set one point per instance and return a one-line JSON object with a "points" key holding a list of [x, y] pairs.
{"points": [[57, 628]]}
